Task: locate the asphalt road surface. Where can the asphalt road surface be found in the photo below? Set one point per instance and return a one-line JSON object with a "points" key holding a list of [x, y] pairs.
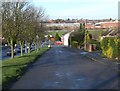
{"points": [[61, 68]]}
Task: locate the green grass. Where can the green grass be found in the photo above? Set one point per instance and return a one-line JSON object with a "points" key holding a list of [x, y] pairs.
{"points": [[96, 33], [60, 32], [12, 69]]}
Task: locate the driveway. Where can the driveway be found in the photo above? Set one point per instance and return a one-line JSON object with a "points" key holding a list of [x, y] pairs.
{"points": [[61, 68]]}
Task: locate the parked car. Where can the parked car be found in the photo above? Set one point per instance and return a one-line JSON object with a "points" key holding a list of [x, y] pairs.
{"points": [[18, 49], [32, 48], [58, 43], [9, 53]]}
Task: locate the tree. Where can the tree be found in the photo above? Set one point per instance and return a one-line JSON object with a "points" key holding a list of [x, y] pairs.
{"points": [[10, 25], [88, 37], [57, 37], [81, 28], [34, 28], [21, 23]]}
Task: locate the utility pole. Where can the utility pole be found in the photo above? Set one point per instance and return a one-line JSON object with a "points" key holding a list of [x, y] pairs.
{"points": [[85, 41], [70, 42], [85, 38]]}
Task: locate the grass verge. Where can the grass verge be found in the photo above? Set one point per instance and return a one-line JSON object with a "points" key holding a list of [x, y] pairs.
{"points": [[60, 32], [13, 69]]}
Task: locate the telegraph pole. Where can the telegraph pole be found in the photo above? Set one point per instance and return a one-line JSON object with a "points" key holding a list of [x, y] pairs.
{"points": [[85, 38], [85, 41]]}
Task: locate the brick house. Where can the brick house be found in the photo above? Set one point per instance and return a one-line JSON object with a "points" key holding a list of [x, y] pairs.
{"points": [[103, 25]]}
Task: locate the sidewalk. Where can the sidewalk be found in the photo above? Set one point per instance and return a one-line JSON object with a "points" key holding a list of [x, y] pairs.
{"points": [[97, 56]]}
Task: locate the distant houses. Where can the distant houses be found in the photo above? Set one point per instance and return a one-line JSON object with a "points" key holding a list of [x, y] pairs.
{"points": [[111, 33], [89, 24], [103, 25], [65, 38]]}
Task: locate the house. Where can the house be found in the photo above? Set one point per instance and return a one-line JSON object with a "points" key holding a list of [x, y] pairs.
{"points": [[89, 26], [103, 25], [65, 38], [111, 33]]}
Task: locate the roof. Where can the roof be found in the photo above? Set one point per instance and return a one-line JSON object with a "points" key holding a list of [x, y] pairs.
{"points": [[106, 33], [111, 33]]}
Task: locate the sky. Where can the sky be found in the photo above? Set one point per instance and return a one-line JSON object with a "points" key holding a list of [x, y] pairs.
{"points": [[77, 9]]}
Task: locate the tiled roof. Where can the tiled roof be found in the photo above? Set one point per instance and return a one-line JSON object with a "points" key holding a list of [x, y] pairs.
{"points": [[111, 33], [106, 33]]}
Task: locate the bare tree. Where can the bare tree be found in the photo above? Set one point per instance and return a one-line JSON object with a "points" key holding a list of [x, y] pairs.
{"points": [[22, 22]]}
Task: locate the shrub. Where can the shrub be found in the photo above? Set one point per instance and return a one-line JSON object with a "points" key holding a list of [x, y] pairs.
{"points": [[110, 47], [98, 47], [74, 44], [57, 37]]}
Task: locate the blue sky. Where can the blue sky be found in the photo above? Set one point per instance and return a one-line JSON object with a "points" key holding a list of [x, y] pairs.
{"points": [[86, 9]]}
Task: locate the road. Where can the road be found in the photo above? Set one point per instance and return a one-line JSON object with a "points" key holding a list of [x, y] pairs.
{"points": [[61, 68]]}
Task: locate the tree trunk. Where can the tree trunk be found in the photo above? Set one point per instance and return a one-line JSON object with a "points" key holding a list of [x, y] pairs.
{"points": [[21, 48], [28, 47], [12, 48], [40, 45], [35, 46]]}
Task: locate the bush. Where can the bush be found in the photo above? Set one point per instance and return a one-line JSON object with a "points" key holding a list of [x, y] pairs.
{"points": [[98, 47], [110, 47], [74, 44], [78, 37], [57, 37]]}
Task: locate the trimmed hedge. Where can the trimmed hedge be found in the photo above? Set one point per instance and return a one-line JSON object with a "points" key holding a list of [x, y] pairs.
{"points": [[74, 44], [98, 47], [110, 47]]}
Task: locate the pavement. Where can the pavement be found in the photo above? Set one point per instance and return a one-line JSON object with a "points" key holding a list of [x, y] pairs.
{"points": [[67, 68], [97, 56]]}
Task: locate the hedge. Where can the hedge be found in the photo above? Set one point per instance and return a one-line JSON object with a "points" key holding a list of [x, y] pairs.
{"points": [[110, 47], [74, 44], [98, 47]]}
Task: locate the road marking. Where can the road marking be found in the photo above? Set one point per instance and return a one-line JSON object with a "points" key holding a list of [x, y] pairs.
{"points": [[83, 53], [57, 82], [80, 79]]}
